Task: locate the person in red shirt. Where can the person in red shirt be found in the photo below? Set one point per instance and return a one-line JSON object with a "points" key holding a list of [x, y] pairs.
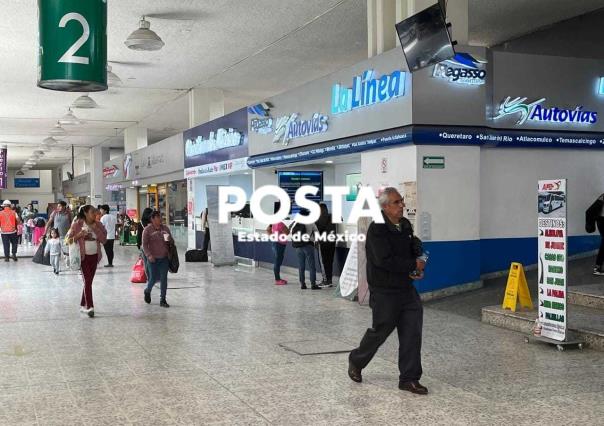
{"points": [[8, 227]]}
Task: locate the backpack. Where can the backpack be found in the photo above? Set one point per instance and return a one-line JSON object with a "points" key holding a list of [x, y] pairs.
{"points": [[298, 234], [196, 256]]}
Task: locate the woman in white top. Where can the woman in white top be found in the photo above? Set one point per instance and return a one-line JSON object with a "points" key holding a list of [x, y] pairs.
{"points": [[89, 234]]}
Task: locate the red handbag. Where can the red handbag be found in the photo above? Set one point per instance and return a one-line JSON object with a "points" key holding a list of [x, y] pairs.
{"points": [[138, 275]]}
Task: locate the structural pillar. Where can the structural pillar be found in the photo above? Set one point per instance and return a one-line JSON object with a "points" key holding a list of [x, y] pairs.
{"points": [[98, 156], [135, 137], [205, 105]]}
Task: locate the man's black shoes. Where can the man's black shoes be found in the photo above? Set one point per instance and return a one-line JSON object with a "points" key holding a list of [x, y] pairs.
{"points": [[354, 373], [413, 387], [147, 296]]}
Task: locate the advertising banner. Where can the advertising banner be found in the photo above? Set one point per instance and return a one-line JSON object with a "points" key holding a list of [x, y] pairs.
{"points": [[3, 169], [73, 45], [552, 243], [218, 141]]}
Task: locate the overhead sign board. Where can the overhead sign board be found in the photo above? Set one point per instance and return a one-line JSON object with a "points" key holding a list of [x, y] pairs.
{"points": [[3, 168], [367, 97], [73, 45], [217, 141]]}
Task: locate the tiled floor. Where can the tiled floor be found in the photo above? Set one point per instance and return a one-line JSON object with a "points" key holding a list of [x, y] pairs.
{"points": [[215, 357]]}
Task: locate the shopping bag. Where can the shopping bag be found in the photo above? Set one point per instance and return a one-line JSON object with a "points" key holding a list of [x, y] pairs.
{"points": [[75, 260], [138, 272], [39, 257]]}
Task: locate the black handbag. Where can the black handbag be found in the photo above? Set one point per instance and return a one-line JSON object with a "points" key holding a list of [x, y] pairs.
{"points": [[173, 261], [39, 257], [591, 215]]}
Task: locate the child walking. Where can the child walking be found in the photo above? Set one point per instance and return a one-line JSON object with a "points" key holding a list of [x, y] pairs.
{"points": [[53, 246]]}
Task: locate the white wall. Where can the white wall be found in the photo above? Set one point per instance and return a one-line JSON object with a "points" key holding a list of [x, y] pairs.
{"points": [[509, 187], [401, 167], [451, 195], [44, 194]]}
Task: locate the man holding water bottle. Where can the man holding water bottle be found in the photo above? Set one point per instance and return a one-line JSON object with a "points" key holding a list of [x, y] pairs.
{"points": [[394, 259], [156, 238]]}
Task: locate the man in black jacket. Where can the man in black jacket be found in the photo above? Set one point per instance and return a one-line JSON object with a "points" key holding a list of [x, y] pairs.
{"points": [[394, 301]]}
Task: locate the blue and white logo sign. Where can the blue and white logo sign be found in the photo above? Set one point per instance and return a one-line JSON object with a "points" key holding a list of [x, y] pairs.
{"points": [[367, 89], [290, 126], [534, 111], [462, 69]]}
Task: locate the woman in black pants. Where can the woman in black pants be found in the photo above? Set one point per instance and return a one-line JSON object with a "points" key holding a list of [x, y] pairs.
{"points": [[327, 248]]}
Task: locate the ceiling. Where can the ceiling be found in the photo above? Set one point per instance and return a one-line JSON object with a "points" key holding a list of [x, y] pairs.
{"points": [[495, 21], [251, 50], [297, 41]]}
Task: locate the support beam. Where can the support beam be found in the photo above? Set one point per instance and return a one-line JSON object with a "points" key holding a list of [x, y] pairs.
{"points": [[205, 105], [135, 137]]}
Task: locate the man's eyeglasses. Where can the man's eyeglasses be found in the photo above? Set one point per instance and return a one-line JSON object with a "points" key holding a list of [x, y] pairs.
{"points": [[399, 202]]}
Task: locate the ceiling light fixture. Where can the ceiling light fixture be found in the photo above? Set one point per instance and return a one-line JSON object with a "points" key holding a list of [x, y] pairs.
{"points": [[30, 163], [84, 101], [70, 119], [112, 78], [57, 130], [49, 141], [144, 38]]}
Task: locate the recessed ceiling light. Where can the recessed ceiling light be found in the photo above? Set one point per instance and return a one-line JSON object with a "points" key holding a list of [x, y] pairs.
{"points": [[143, 38], [84, 101], [70, 119], [329, 161]]}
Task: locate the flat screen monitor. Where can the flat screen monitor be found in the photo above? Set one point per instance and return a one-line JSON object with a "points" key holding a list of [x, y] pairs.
{"points": [[425, 38], [290, 181]]}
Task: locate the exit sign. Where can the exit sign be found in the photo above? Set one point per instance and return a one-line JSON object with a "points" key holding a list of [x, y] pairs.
{"points": [[434, 162]]}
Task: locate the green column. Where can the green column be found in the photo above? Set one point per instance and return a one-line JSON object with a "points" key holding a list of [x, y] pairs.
{"points": [[73, 45]]}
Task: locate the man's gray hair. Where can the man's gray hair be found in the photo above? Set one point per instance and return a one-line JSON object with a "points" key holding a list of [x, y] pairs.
{"points": [[383, 198]]}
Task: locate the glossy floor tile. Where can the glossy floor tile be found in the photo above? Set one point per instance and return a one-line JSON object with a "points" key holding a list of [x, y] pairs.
{"points": [[217, 357]]}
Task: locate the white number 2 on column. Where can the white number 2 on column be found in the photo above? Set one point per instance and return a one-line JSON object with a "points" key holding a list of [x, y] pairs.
{"points": [[69, 56]]}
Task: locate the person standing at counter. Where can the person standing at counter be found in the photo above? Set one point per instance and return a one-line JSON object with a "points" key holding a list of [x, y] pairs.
{"points": [[280, 232], [205, 225], [327, 249], [303, 240]]}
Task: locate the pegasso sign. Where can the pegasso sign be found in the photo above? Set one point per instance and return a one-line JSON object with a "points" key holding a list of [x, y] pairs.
{"points": [[367, 90]]}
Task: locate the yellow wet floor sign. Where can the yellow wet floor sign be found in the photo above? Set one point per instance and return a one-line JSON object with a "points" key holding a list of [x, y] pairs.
{"points": [[517, 288]]}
